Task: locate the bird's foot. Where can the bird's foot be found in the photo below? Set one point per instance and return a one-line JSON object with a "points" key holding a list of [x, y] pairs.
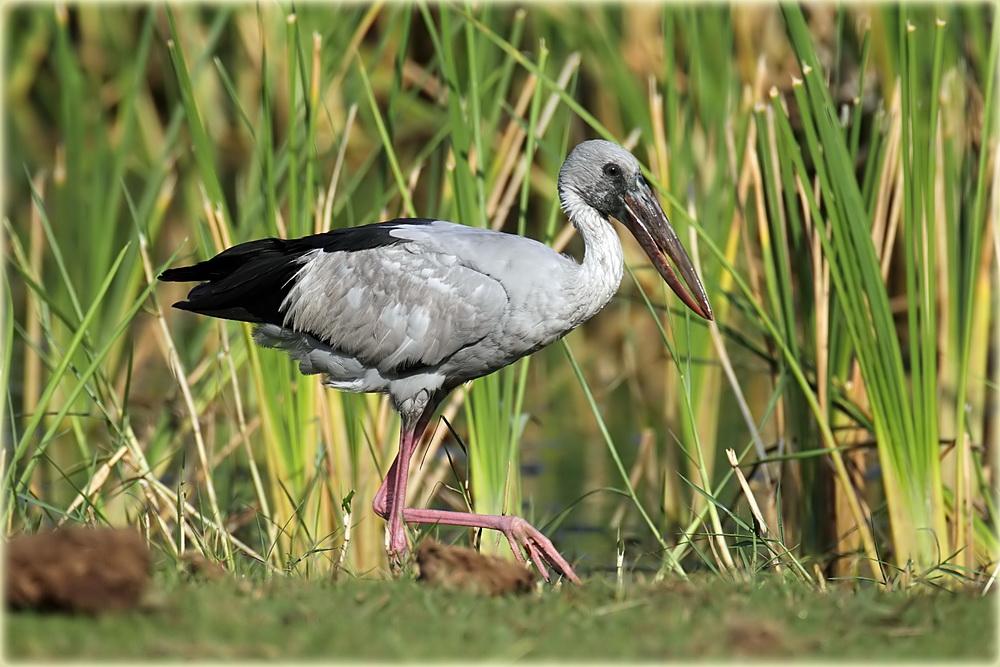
{"points": [[524, 539], [396, 546], [522, 535]]}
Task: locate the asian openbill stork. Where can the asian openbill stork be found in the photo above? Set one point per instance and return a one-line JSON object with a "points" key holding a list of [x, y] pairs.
{"points": [[415, 307]]}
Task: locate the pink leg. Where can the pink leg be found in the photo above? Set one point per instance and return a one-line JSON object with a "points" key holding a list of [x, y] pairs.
{"points": [[519, 533], [390, 498], [397, 533], [389, 503], [380, 503]]}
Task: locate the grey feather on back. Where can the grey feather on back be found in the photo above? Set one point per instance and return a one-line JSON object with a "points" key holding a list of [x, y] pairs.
{"points": [[396, 308]]}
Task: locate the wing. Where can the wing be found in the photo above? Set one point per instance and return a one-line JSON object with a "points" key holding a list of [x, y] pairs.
{"points": [[395, 308], [393, 299], [249, 281]]}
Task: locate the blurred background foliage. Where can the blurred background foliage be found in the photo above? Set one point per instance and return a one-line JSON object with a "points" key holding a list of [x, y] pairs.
{"points": [[833, 167]]}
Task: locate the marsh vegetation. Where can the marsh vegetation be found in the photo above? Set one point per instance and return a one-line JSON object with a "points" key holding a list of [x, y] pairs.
{"points": [[832, 168]]}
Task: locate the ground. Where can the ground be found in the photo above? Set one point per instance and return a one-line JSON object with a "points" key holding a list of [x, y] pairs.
{"points": [[369, 619]]}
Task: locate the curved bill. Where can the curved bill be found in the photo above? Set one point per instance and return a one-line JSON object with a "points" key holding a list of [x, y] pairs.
{"points": [[648, 223]]}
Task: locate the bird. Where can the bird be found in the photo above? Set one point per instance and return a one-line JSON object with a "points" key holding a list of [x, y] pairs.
{"points": [[415, 307]]}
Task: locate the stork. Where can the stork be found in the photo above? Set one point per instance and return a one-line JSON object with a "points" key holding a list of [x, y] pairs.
{"points": [[415, 307]]}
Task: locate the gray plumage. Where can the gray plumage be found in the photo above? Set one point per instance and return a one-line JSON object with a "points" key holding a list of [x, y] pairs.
{"points": [[415, 307], [428, 305]]}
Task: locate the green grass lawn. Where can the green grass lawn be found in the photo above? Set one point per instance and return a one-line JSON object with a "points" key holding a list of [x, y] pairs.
{"points": [[364, 619]]}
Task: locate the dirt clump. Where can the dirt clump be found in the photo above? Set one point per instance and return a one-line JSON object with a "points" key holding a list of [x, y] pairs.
{"points": [[460, 568], [77, 569], [756, 637]]}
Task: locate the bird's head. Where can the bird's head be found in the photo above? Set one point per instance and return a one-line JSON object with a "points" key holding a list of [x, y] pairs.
{"points": [[607, 178]]}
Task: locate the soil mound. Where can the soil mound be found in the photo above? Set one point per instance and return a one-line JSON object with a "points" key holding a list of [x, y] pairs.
{"points": [[460, 568], [76, 569]]}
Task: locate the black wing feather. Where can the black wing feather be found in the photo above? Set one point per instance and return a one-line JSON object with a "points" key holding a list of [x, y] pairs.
{"points": [[249, 281]]}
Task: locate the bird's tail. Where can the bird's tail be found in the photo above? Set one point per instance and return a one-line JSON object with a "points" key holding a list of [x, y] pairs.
{"points": [[247, 282]]}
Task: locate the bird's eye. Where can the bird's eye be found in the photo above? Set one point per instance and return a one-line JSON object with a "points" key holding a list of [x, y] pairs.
{"points": [[612, 169]]}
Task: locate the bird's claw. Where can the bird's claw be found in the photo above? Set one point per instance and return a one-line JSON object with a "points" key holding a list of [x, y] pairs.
{"points": [[522, 535], [397, 547]]}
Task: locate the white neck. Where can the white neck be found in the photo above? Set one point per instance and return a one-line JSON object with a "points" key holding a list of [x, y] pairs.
{"points": [[600, 273]]}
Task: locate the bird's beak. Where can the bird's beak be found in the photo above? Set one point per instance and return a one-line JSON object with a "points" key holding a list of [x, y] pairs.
{"points": [[645, 218]]}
